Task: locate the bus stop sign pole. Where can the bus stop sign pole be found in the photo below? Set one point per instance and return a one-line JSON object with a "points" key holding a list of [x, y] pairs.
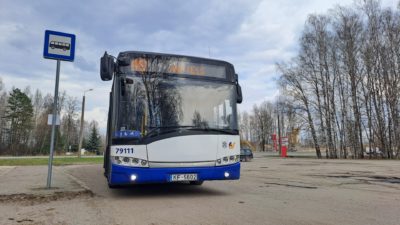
{"points": [[53, 126], [58, 46]]}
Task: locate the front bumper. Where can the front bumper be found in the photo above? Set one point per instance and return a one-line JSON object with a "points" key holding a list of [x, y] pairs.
{"points": [[122, 174]]}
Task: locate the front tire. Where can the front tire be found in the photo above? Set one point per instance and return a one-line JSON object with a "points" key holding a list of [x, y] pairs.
{"points": [[107, 172], [113, 186]]}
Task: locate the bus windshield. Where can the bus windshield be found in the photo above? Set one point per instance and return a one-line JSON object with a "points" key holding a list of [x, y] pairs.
{"points": [[148, 102]]}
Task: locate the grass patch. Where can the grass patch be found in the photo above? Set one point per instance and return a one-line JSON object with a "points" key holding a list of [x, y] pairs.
{"points": [[56, 161]]}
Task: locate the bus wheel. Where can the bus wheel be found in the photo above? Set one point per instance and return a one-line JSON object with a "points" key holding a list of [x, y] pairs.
{"points": [[196, 182], [111, 186]]}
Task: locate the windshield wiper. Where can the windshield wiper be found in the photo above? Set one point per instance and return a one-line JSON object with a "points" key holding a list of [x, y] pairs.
{"points": [[220, 130], [165, 129], [169, 129]]}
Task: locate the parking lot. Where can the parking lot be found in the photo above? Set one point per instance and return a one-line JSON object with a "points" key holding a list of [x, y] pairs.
{"points": [[270, 191]]}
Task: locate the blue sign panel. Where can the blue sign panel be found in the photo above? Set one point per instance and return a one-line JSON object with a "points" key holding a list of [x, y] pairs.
{"points": [[59, 45], [127, 134]]}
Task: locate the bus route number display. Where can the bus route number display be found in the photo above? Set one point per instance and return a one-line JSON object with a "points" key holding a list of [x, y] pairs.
{"points": [[177, 67]]}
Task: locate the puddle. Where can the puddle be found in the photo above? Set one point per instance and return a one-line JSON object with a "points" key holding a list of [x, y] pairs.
{"points": [[386, 179], [362, 176], [305, 164], [292, 185]]}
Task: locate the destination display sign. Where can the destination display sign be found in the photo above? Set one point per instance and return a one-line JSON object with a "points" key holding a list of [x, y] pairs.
{"points": [[176, 66]]}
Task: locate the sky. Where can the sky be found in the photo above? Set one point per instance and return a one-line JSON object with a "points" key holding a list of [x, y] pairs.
{"points": [[253, 35]]}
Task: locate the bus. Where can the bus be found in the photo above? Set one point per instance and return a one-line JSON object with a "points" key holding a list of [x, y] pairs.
{"points": [[171, 118]]}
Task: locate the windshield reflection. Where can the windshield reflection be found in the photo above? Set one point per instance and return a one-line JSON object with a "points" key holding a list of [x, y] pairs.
{"points": [[149, 101]]}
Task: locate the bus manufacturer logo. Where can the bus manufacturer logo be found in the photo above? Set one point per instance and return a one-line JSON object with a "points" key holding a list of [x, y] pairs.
{"points": [[224, 144]]}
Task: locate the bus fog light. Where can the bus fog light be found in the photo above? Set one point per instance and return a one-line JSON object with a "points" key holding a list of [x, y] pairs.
{"points": [[218, 161], [226, 174], [133, 177], [225, 159], [231, 158]]}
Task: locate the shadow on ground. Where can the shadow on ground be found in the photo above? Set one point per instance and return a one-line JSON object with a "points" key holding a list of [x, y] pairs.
{"points": [[165, 190]]}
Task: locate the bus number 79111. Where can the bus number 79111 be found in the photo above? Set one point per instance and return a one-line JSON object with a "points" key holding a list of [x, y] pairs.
{"points": [[124, 151]]}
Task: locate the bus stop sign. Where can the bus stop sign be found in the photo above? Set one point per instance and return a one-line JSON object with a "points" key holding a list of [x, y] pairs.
{"points": [[58, 45]]}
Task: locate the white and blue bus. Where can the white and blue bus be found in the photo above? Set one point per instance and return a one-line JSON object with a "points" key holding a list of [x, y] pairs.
{"points": [[171, 118]]}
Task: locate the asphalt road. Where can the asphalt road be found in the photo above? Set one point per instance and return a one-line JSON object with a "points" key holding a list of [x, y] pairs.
{"points": [[270, 191]]}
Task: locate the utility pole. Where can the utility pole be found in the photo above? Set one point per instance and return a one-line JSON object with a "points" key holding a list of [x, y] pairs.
{"points": [[82, 120]]}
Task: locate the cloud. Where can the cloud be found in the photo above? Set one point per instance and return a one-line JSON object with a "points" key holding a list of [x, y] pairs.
{"points": [[98, 114], [252, 35]]}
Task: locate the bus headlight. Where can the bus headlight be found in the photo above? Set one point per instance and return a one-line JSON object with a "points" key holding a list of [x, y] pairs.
{"points": [[144, 162], [135, 161], [129, 161], [117, 160], [227, 160]]}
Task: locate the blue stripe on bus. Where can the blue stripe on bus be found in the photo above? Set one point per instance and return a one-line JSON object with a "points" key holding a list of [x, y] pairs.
{"points": [[121, 174]]}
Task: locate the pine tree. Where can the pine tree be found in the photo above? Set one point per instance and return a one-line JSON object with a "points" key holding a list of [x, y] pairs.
{"points": [[93, 144], [19, 114]]}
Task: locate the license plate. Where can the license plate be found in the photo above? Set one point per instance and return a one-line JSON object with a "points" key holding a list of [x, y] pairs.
{"points": [[184, 177]]}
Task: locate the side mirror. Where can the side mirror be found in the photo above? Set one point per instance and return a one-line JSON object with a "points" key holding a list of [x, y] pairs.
{"points": [[239, 97], [107, 67]]}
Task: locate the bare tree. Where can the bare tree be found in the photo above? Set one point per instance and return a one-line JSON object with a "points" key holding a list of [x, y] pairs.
{"points": [[3, 123], [69, 122], [263, 116], [295, 84], [346, 80]]}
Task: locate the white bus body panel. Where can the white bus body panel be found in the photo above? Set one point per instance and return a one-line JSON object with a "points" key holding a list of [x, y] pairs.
{"points": [[193, 148]]}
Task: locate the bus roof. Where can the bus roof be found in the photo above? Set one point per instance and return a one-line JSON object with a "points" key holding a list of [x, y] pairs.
{"points": [[173, 55]]}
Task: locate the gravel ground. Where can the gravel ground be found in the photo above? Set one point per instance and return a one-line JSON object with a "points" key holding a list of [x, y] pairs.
{"points": [[270, 191]]}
